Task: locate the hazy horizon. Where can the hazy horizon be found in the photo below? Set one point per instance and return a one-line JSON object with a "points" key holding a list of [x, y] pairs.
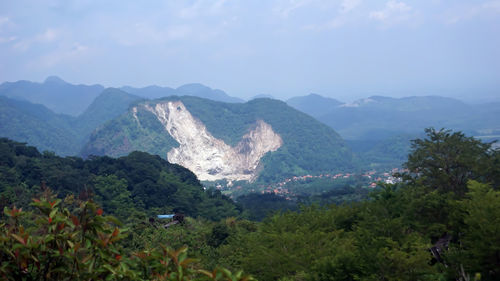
{"points": [[346, 49]]}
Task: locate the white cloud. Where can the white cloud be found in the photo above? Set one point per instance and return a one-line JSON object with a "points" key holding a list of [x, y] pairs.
{"points": [[349, 5], [149, 33], [7, 39], [48, 36], [73, 53], [393, 12], [492, 6], [177, 32], [331, 24], [6, 24], [4, 21], [285, 8], [202, 7], [343, 13], [467, 12]]}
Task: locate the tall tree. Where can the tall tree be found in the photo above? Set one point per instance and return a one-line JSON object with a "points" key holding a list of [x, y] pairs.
{"points": [[446, 161]]}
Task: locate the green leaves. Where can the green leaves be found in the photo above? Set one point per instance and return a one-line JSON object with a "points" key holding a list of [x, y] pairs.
{"points": [[446, 161], [85, 245]]}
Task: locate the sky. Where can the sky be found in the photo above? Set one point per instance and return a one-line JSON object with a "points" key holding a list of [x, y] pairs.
{"points": [[345, 49]]}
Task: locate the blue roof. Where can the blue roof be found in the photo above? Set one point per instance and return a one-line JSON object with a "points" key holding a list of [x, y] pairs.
{"points": [[165, 216]]}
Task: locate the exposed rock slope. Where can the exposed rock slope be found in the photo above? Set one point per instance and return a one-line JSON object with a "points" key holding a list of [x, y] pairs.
{"points": [[208, 157], [262, 139]]}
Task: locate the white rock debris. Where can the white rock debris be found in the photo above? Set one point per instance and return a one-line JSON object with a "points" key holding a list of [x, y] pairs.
{"points": [[208, 157]]}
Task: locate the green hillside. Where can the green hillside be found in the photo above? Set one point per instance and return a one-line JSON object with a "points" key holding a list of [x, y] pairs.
{"points": [[108, 105], [308, 145], [65, 135], [37, 125], [137, 186]]}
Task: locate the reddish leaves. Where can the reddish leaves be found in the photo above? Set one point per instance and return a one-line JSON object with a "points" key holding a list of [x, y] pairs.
{"points": [[75, 220]]}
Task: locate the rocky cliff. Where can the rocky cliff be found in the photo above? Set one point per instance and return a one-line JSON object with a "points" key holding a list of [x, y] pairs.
{"points": [[262, 139], [208, 157]]}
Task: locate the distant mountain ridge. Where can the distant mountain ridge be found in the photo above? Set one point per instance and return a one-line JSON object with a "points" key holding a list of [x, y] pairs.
{"points": [[379, 117], [314, 104], [377, 127], [64, 134], [54, 93], [193, 89], [66, 98]]}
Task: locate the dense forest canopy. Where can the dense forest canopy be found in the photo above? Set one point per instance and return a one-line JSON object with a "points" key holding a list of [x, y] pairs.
{"points": [[134, 186], [442, 222]]}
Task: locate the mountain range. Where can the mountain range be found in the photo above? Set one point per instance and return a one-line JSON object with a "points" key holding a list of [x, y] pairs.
{"points": [[54, 93], [193, 89], [222, 137], [65, 98], [380, 118], [64, 134]]}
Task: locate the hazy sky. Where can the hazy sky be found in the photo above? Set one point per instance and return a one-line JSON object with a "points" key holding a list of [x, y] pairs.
{"points": [[344, 49]]}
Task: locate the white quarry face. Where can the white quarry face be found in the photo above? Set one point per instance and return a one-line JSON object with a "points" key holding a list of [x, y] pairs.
{"points": [[208, 157]]}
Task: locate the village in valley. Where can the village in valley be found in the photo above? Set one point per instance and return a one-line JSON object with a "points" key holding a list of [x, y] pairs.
{"points": [[289, 187]]}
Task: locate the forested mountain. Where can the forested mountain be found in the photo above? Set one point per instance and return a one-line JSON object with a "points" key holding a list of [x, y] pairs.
{"points": [[298, 143], [194, 89], [378, 117], [379, 129], [56, 94], [63, 134], [134, 186], [108, 105], [37, 125], [314, 104], [382, 154]]}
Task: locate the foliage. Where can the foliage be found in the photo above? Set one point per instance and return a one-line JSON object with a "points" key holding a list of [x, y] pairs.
{"points": [[258, 206], [446, 161], [479, 247], [130, 187], [56, 244], [387, 237], [382, 154]]}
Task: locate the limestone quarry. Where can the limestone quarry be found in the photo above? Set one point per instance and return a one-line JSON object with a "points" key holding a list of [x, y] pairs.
{"points": [[208, 157]]}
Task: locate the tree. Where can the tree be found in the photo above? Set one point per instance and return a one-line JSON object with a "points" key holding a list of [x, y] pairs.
{"points": [[114, 196], [479, 249], [446, 161]]}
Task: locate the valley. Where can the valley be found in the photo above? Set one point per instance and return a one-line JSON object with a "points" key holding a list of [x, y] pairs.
{"points": [[240, 178], [252, 141], [277, 140]]}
